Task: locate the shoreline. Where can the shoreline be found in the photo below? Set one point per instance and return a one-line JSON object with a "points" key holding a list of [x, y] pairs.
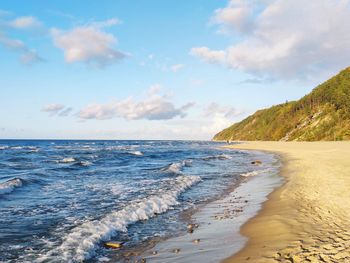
{"points": [[219, 221], [307, 219]]}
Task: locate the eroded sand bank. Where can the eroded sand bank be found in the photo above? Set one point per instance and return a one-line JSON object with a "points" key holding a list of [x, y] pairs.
{"points": [[308, 218]]}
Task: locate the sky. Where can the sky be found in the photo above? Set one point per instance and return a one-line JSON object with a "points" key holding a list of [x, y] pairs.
{"points": [[160, 69]]}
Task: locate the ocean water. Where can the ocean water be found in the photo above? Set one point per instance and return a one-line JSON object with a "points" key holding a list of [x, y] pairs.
{"points": [[61, 200]]}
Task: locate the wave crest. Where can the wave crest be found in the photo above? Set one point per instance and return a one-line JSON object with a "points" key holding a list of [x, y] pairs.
{"points": [[177, 167], [67, 160], [217, 157], [10, 185], [80, 244], [138, 153]]}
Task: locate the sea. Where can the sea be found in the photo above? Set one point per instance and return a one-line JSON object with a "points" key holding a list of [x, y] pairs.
{"points": [[62, 200]]}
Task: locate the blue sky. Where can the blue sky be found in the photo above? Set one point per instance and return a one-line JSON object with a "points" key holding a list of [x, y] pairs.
{"points": [[159, 69]]}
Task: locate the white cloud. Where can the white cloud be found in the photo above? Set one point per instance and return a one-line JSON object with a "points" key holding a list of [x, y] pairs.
{"points": [[153, 107], [25, 22], [13, 44], [154, 90], [214, 109], [57, 109], [177, 67], [53, 109], [89, 44], [286, 38], [210, 56], [30, 57], [26, 54], [237, 16]]}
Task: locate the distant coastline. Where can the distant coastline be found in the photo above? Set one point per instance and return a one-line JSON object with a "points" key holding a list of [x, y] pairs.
{"points": [[322, 115]]}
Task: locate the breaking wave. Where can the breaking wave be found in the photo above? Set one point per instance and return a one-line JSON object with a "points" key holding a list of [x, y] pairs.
{"points": [[177, 167], [81, 243], [10, 185]]}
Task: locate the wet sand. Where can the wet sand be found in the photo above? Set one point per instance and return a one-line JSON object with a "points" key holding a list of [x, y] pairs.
{"points": [[217, 235], [308, 218]]}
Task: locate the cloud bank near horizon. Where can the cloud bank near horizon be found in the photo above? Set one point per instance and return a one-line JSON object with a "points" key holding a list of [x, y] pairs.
{"points": [[154, 107]]}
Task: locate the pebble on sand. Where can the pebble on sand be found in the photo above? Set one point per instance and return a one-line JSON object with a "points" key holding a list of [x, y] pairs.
{"points": [[176, 250], [256, 162], [113, 245], [191, 227]]}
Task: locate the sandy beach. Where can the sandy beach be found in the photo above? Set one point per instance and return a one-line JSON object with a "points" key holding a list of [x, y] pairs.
{"points": [[308, 218]]}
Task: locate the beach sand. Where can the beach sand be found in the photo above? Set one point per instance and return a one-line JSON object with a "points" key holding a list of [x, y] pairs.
{"points": [[308, 218]]}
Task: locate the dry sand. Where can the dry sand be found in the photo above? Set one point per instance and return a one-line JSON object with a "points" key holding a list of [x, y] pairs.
{"points": [[308, 218]]}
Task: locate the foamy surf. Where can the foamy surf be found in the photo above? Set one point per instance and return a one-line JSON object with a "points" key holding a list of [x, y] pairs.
{"points": [[67, 160], [10, 185], [254, 173], [138, 153], [217, 157], [85, 163], [74, 206], [176, 167], [82, 242]]}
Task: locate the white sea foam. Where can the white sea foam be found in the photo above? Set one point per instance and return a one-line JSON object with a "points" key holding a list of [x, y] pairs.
{"points": [[4, 147], [85, 163], [31, 148], [253, 173], [177, 167], [136, 153], [218, 157], [114, 189], [127, 148], [61, 147], [10, 185], [16, 147], [80, 244], [257, 172], [67, 160]]}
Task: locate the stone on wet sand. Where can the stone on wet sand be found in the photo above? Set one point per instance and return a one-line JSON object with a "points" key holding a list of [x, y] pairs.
{"points": [[256, 162], [113, 245], [176, 250], [191, 227]]}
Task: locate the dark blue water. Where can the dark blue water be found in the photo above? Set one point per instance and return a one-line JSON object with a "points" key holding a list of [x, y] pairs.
{"points": [[60, 200]]}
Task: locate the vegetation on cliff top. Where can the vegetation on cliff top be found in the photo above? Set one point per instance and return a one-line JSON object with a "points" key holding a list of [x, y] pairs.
{"points": [[323, 114]]}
